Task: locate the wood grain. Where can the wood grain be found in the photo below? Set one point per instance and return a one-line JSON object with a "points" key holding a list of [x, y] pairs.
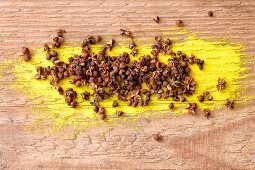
{"points": [[227, 141]]}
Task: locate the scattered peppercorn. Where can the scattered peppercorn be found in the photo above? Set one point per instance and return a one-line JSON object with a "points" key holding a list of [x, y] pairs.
{"points": [[110, 44], [125, 32], [134, 52], [171, 106], [156, 19], [58, 40], [70, 96], [207, 113], [119, 113], [230, 103], [191, 108], [179, 23], [210, 98], [115, 103], [26, 54], [205, 93], [85, 95], [221, 84], [132, 45], [200, 98], [60, 90], [157, 137], [182, 99], [46, 47], [60, 32], [168, 42], [210, 13]]}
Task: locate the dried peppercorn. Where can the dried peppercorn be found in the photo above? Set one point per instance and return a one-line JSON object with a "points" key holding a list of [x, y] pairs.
{"points": [[230, 103], [73, 104], [207, 113], [134, 52], [210, 97], [182, 99], [26, 54], [221, 84], [132, 45], [210, 13], [179, 23], [60, 90], [156, 19], [171, 106], [110, 44], [115, 104], [205, 93], [125, 32], [119, 113], [60, 32], [85, 95], [168, 42], [158, 39], [200, 98], [157, 137], [46, 47], [191, 108]]}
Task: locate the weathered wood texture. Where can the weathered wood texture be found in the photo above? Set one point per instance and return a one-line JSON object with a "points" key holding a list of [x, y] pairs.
{"points": [[227, 141]]}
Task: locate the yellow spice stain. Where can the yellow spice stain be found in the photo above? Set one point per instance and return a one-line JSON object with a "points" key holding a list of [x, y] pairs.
{"points": [[222, 59]]}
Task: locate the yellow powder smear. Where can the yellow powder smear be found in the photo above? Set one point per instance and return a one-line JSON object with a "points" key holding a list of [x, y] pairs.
{"points": [[222, 59]]}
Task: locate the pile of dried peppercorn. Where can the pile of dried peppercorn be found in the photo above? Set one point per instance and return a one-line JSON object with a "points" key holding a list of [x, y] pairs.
{"points": [[122, 77]]}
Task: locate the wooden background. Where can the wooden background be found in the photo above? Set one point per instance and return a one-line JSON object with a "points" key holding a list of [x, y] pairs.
{"points": [[227, 141]]}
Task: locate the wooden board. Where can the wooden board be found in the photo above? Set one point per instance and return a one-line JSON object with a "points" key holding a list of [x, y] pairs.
{"points": [[227, 141]]}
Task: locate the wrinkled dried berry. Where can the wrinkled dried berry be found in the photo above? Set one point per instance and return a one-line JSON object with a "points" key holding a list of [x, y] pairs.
{"points": [[132, 45], [46, 47], [26, 54], [115, 104], [230, 103], [182, 99], [179, 23], [60, 90], [200, 98], [210, 97], [191, 108], [207, 113], [60, 32], [73, 104], [85, 95], [110, 44], [125, 32], [119, 113], [157, 137], [156, 19], [210, 13], [134, 52], [171, 106], [168, 42], [221, 84]]}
